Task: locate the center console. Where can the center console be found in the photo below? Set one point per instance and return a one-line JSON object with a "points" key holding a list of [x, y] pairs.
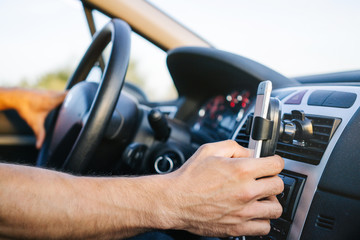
{"points": [[313, 121]]}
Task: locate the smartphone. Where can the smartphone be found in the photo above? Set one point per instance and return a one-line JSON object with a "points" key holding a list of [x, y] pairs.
{"points": [[261, 110]]}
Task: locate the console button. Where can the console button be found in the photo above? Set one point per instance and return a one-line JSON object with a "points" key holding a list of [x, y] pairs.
{"points": [[317, 98], [328, 98], [340, 100], [285, 196], [297, 98]]}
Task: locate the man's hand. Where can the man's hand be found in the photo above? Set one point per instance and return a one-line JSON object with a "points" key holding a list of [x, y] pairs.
{"points": [[32, 105], [221, 191]]}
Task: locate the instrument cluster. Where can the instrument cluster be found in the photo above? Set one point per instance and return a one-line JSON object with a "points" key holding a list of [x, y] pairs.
{"points": [[219, 115]]}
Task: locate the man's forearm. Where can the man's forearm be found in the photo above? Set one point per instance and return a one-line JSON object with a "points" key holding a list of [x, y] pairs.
{"points": [[219, 191], [37, 203]]}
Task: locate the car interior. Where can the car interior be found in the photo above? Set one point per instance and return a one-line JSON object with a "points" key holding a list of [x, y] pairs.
{"points": [[111, 128]]}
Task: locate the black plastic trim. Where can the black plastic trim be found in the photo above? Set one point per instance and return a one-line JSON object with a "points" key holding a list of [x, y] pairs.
{"points": [[196, 70], [332, 217], [337, 77], [341, 174]]}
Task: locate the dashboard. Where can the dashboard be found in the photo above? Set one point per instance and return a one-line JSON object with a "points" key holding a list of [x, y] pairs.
{"points": [[321, 199], [316, 205], [217, 90]]}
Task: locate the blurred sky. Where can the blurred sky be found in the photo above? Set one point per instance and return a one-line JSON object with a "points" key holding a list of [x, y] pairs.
{"points": [[39, 36], [292, 37]]}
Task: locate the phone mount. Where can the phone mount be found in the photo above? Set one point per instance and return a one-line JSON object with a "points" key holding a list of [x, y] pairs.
{"points": [[266, 129], [272, 129]]}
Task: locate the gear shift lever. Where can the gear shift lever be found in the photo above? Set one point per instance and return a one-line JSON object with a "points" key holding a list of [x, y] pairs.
{"points": [[159, 125]]}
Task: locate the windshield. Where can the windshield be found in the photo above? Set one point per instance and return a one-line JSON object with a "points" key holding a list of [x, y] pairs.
{"points": [[293, 37]]}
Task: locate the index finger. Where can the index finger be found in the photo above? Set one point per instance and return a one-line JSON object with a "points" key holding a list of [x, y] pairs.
{"points": [[262, 167], [228, 148]]}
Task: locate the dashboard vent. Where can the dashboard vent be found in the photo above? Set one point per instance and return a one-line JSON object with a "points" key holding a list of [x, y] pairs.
{"points": [[243, 138], [325, 222], [310, 151]]}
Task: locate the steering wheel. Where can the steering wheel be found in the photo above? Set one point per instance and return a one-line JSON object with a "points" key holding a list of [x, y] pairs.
{"points": [[77, 128]]}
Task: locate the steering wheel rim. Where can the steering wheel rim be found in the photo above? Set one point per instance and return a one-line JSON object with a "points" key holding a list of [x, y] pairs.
{"points": [[98, 116]]}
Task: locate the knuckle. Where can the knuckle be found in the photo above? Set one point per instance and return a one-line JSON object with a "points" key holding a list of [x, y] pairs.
{"points": [[234, 144], [230, 142], [262, 228], [248, 194], [276, 163], [202, 147], [243, 169], [236, 230], [279, 162], [277, 210], [265, 228], [206, 148], [279, 185], [274, 210]]}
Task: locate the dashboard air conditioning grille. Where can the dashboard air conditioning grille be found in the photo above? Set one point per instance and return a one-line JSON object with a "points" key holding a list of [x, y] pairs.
{"points": [[309, 151], [243, 138], [325, 222]]}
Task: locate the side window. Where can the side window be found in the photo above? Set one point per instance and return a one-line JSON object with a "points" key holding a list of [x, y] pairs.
{"points": [[147, 68], [41, 42]]}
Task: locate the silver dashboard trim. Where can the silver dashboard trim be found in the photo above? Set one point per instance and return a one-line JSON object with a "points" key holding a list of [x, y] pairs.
{"points": [[313, 172]]}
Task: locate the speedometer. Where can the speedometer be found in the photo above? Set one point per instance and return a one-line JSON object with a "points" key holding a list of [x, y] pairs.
{"points": [[221, 113]]}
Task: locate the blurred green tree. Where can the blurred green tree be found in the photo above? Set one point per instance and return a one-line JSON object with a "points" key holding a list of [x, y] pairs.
{"points": [[56, 80], [134, 76]]}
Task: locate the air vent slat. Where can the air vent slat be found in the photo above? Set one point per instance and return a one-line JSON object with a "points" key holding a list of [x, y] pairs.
{"points": [[299, 157], [317, 141], [325, 222], [321, 126], [243, 141], [243, 136], [324, 225], [321, 134], [309, 151], [282, 145]]}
